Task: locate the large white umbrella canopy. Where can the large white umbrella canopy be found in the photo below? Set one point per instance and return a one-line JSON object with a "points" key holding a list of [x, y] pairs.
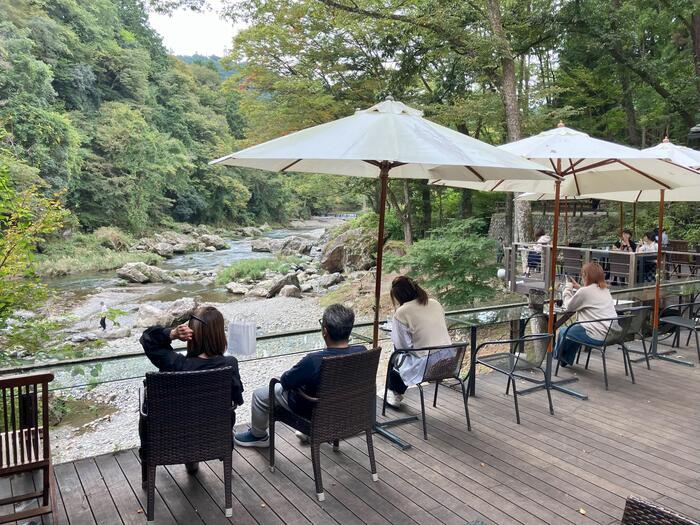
{"points": [[588, 166], [682, 155], [390, 139], [389, 131]]}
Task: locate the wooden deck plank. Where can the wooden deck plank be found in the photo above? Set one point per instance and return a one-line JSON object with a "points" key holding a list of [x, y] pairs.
{"points": [[125, 500], [74, 499], [132, 472], [103, 509], [201, 500]]}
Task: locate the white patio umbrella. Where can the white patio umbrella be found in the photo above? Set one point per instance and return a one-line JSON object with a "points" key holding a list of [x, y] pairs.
{"points": [[389, 139], [587, 166]]}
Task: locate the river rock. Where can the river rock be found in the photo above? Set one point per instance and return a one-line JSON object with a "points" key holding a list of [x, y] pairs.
{"points": [[164, 249], [149, 315], [262, 289], [296, 245], [237, 288], [181, 309], [351, 250], [118, 332], [278, 284], [213, 240], [210, 248], [251, 231], [81, 338], [328, 280], [139, 272], [290, 290], [307, 287]]}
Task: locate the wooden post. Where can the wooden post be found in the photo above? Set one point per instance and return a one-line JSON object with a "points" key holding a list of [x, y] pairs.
{"points": [[634, 219], [657, 291], [383, 181], [622, 218], [566, 220]]}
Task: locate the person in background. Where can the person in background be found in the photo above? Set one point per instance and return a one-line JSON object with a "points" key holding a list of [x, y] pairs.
{"points": [[664, 237], [206, 344], [590, 302], [336, 326], [419, 322], [103, 315], [648, 244], [500, 251], [534, 256], [626, 243]]}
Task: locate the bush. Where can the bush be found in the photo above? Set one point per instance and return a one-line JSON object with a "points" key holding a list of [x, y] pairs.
{"points": [[113, 238], [254, 269], [458, 265]]}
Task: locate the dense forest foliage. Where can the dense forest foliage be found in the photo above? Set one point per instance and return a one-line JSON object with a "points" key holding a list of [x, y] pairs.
{"points": [[91, 105]]}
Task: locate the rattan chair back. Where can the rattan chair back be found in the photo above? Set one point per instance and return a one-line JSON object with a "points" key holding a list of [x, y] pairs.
{"points": [[641, 512], [444, 362], [346, 395], [189, 415]]}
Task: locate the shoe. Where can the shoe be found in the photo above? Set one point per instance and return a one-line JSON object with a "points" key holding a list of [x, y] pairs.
{"points": [[303, 438], [393, 399], [192, 468], [247, 439]]}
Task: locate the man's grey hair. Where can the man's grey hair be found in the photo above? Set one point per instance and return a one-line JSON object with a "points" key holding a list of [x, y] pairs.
{"points": [[338, 321]]}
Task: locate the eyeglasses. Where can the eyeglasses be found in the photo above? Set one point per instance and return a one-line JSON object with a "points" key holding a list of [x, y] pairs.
{"points": [[320, 321], [192, 316]]}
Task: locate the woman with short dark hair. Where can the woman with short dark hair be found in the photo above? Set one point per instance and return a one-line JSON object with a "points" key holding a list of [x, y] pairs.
{"points": [[206, 344], [419, 322]]}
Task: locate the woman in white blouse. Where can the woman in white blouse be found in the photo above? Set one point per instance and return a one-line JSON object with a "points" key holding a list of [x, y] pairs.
{"points": [[419, 322]]}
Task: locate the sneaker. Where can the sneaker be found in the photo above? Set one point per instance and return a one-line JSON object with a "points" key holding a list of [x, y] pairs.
{"points": [[303, 438], [394, 400], [247, 439]]}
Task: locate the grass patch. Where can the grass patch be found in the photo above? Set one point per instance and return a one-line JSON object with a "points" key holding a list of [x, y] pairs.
{"points": [[254, 269], [72, 412], [86, 252]]}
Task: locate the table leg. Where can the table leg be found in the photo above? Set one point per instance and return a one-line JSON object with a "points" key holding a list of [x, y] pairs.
{"points": [[472, 361]]}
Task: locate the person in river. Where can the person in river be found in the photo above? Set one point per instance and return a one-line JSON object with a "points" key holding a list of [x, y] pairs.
{"points": [[206, 343], [336, 326], [103, 315], [419, 322]]}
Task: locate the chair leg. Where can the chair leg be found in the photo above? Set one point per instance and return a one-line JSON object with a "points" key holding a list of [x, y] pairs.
{"points": [[515, 400], [336, 445], [508, 386], [465, 397], [549, 396], [690, 334], [437, 384], [370, 453], [386, 390], [228, 468], [626, 358], [578, 354], [271, 433], [144, 469], [45, 499], [646, 353], [556, 370], [422, 411], [150, 492], [697, 342], [589, 357], [605, 369], [316, 463]]}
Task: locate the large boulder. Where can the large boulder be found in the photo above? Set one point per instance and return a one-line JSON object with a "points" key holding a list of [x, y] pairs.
{"points": [[163, 249], [262, 289], [262, 245], [177, 312], [149, 315], [181, 309], [118, 332], [296, 245], [330, 279], [352, 250], [237, 288], [213, 240], [279, 283], [251, 231], [290, 290], [139, 272]]}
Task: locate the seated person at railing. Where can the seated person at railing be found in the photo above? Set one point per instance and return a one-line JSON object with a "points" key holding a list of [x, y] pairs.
{"points": [[626, 243], [336, 326], [419, 322], [534, 256], [590, 302], [648, 244], [206, 343]]}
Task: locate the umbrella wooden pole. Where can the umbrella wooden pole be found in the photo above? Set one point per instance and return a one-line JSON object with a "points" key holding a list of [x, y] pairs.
{"points": [[383, 181], [622, 218], [566, 220], [634, 219], [657, 290], [553, 264]]}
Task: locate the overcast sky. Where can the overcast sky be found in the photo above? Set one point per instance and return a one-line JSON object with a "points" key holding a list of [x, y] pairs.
{"points": [[186, 32]]}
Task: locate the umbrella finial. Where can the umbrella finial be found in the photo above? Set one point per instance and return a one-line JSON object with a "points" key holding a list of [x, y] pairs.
{"points": [[389, 98], [561, 124], [666, 141]]}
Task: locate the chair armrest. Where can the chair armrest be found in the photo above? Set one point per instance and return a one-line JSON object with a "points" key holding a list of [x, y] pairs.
{"points": [[274, 381], [307, 396], [142, 412]]}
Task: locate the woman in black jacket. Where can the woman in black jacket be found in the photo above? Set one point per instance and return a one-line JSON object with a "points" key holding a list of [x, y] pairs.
{"points": [[206, 343]]}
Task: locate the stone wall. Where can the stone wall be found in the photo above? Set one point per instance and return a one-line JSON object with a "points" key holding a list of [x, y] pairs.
{"points": [[581, 228]]}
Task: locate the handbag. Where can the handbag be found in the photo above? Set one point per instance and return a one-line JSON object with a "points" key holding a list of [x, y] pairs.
{"points": [[241, 339]]}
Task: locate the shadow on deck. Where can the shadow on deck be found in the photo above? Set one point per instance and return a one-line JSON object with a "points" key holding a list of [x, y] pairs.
{"points": [[575, 467]]}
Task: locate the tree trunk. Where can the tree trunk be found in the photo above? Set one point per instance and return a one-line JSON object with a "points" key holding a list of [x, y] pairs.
{"points": [[427, 208], [408, 215], [627, 101], [695, 35], [509, 92], [466, 203]]}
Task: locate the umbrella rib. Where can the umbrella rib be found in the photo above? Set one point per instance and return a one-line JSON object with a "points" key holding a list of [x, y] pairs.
{"points": [[590, 166], [694, 171], [640, 172], [290, 165], [497, 185], [638, 195], [476, 173], [573, 170], [553, 175]]}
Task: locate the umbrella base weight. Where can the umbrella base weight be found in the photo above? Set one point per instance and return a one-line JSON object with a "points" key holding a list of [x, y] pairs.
{"points": [[381, 429], [556, 386]]}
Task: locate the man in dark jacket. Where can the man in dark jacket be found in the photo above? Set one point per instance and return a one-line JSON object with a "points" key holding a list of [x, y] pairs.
{"points": [[336, 326]]}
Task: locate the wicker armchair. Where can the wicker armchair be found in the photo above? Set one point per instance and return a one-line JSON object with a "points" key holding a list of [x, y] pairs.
{"points": [[343, 407], [441, 363], [24, 441], [186, 418], [640, 512], [679, 317]]}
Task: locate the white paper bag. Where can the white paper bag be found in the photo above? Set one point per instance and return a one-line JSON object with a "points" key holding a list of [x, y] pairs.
{"points": [[241, 339]]}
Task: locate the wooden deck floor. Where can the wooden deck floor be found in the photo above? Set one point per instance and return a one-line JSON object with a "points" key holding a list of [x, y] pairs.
{"points": [[575, 467]]}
